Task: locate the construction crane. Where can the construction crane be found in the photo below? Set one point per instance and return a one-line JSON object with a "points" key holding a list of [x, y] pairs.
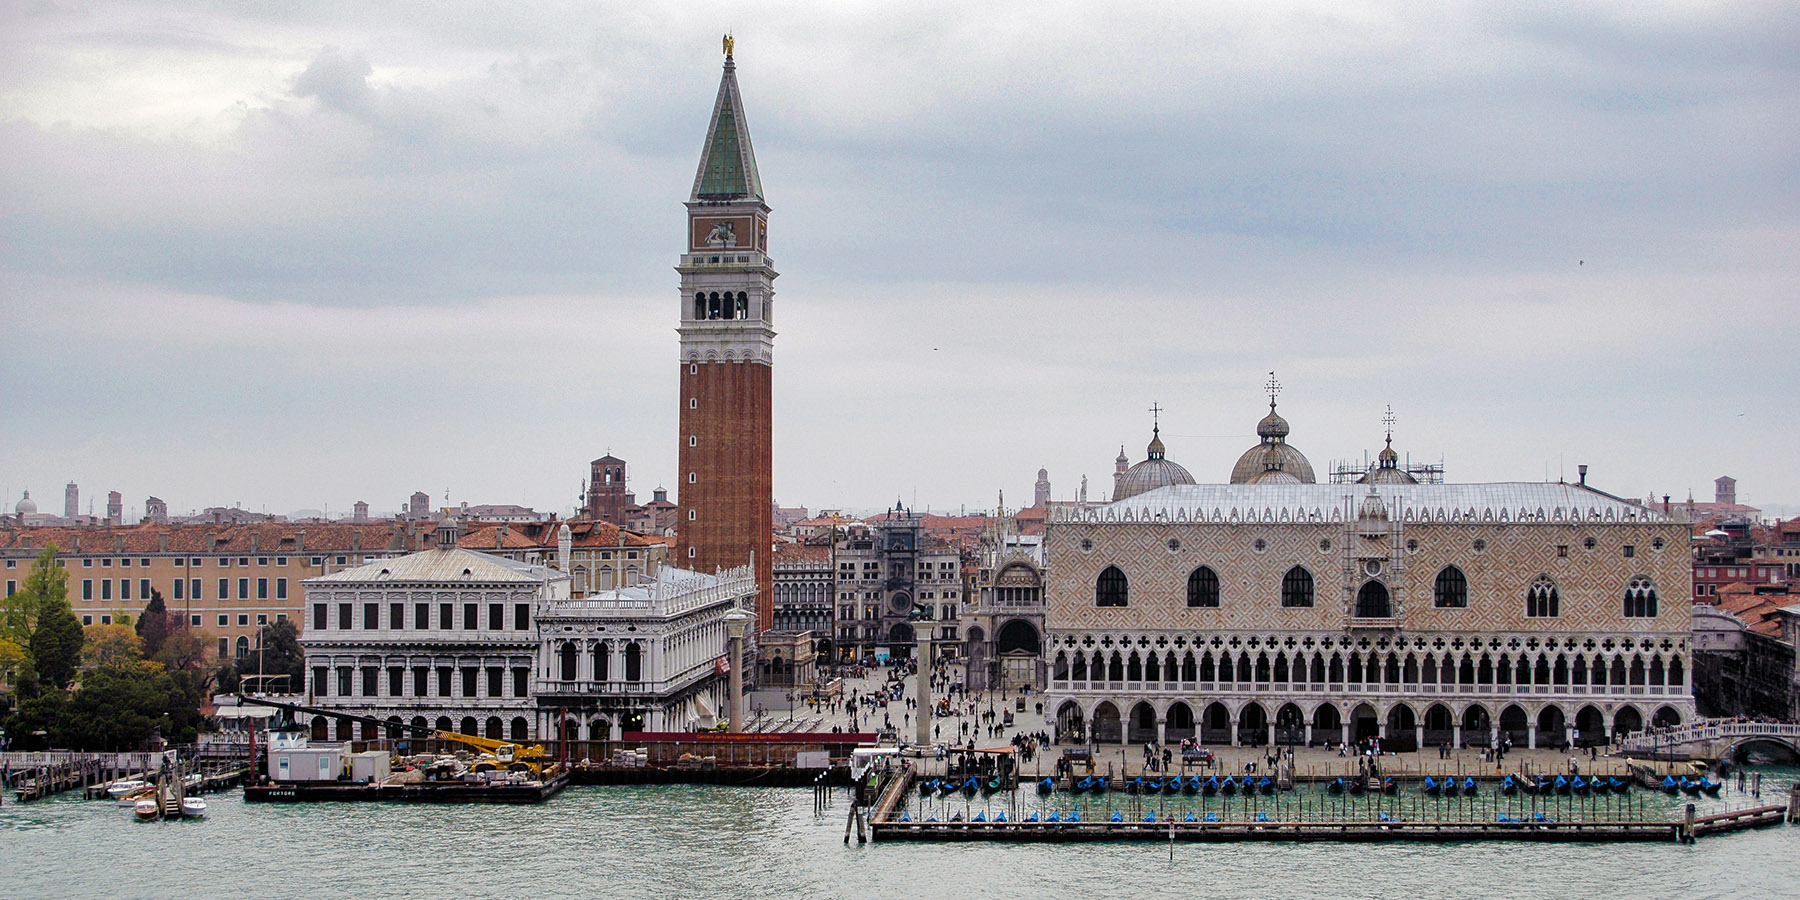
{"points": [[495, 754]]}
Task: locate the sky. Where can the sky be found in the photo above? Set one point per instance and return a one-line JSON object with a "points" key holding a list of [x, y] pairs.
{"points": [[297, 255]]}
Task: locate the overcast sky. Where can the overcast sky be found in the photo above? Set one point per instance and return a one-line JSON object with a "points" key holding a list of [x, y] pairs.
{"points": [[297, 255]]}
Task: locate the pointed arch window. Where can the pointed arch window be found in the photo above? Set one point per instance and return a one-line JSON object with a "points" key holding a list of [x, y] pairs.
{"points": [[1203, 588], [1541, 600], [1372, 602], [1297, 588], [1111, 588], [1640, 599], [1451, 590]]}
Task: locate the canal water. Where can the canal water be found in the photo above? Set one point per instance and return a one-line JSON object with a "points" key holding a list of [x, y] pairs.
{"points": [[680, 842]]}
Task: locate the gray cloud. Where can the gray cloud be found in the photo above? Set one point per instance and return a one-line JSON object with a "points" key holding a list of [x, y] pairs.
{"points": [[1002, 235]]}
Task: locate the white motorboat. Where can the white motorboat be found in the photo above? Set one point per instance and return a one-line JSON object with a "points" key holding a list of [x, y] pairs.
{"points": [[118, 789], [193, 808]]}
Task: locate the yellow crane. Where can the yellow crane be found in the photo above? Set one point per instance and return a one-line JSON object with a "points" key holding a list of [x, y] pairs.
{"points": [[496, 754]]}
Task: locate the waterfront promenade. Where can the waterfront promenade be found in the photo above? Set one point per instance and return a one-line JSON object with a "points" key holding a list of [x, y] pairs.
{"points": [[771, 711]]}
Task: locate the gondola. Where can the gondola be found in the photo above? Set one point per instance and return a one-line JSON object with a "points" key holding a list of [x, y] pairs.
{"points": [[1136, 785], [979, 817], [1055, 816], [1172, 784], [1670, 786], [1047, 787], [926, 787], [1336, 786], [1085, 784], [1190, 818], [1432, 787], [1265, 785], [1116, 817], [1229, 786], [971, 787], [1690, 786], [1359, 786], [1073, 816], [1000, 816], [1710, 787], [1153, 786], [1149, 817], [1579, 785], [1210, 786], [1545, 785], [1618, 787], [1032, 818], [1190, 786], [1469, 787], [1099, 786], [1508, 785], [1450, 787], [1562, 785], [992, 785]]}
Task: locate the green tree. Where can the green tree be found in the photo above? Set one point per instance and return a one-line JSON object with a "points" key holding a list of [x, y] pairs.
{"points": [[39, 722], [120, 705], [153, 625], [56, 634]]}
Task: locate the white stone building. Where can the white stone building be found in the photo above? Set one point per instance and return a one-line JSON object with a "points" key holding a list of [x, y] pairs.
{"points": [[444, 638], [650, 657]]}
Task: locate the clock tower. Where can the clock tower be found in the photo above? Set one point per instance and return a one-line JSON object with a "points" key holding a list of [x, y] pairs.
{"points": [[727, 352]]}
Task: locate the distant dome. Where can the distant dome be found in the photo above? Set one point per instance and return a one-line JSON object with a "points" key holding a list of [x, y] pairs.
{"points": [[1387, 468], [26, 506], [1273, 430], [1154, 472]]}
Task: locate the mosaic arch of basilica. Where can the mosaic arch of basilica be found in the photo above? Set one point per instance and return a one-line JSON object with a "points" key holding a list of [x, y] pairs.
{"points": [[1277, 609]]}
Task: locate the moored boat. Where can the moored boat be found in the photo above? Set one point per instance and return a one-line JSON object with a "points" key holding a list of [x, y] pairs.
{"points": [[118, 789], [1468, 787], [146, 809], [1431, 786], [193, 808], [1229, 786], [1047, 786], [1508, 785]]}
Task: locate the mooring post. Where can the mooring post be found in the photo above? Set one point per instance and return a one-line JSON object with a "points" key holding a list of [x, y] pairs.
{"points": [[1688, 828], [1793, 813]]}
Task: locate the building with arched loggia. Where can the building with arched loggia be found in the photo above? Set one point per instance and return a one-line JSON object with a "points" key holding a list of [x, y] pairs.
{"points": [[1275, 609], [650, 657]]}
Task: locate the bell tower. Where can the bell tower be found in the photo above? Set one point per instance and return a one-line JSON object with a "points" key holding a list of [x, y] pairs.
{"points": [[726, 487]]}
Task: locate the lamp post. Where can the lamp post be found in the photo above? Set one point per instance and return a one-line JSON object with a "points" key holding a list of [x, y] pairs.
{"points": [[735, 623]]}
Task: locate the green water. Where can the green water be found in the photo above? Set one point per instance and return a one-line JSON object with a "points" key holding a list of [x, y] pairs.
{"points": [[677, 842]]}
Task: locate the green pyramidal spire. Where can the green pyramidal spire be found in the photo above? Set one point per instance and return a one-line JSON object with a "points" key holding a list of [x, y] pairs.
{"points": [[727, 164]]}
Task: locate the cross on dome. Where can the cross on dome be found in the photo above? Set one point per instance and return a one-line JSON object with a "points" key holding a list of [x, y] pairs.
{"points": [[1272, 388]]}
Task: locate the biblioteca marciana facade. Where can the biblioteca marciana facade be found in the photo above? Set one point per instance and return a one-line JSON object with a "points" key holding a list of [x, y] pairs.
{"points": [[1275, 609]]}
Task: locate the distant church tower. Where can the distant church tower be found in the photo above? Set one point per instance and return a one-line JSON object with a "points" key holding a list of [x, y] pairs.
{"points": [[1042, 493], [726, 483]]}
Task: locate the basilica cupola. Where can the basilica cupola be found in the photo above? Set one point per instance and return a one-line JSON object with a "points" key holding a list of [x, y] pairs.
{"points": [[1154, 472], [1272, 448], [1387, 463]]}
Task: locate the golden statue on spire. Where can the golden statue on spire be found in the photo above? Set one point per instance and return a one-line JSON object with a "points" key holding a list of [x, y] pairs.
{"points": [[728, 45]]}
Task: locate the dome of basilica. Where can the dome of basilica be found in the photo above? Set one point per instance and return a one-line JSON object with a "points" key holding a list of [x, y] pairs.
{"points": [[1274, 448], [28, 506], [1152, 473]]}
